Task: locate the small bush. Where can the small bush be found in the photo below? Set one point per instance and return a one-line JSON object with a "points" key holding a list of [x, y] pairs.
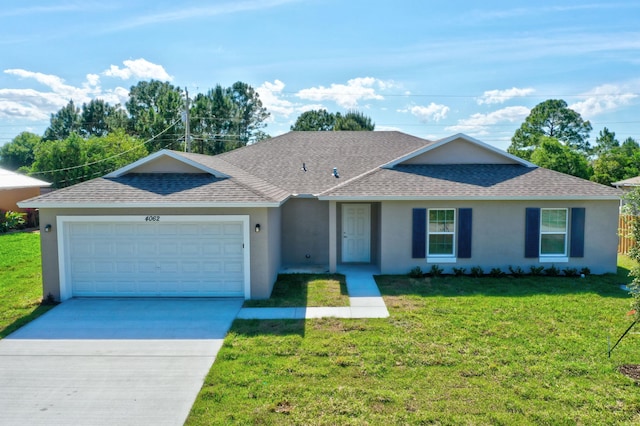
{"points": [[477, 271], [458, 272], [536, 270], [585, 271], [435, 271], [416, 272], [552, 271], [570, 272], [516, 272], [11, 220], [496, 273]]}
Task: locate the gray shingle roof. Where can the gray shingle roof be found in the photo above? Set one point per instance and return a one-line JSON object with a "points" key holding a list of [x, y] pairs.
{"points": [[470, 181], [155, 188]]}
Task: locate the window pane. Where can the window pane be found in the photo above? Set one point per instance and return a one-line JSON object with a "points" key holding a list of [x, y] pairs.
{"points": [[441, 244], [554, 221], [552, 244], [441, 221]]}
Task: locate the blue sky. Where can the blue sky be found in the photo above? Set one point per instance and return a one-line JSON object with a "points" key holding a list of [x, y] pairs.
{"points": [[431, 69]]}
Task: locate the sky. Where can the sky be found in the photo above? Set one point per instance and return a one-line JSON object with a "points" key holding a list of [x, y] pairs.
{"points": [[428, 68]]}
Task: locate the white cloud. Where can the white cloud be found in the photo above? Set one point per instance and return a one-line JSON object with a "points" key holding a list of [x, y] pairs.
{"points": [[55, 83], [601, 99], [270, 95], [346, 95], [431, 112], [501, 96], [478, 123], [140, 69]]}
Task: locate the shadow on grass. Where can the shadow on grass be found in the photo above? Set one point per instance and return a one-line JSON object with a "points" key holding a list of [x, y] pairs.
{"points": [[607, 285], [19, 322], [252, 328]]}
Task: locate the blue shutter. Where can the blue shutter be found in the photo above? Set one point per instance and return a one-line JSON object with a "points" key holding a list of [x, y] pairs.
{"points": [[532, 233], [419, 235], [577, 233], [464, 233]]}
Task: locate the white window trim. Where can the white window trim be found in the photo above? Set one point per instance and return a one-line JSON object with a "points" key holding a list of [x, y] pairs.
{"points": [[556, 257], [443, 258]]}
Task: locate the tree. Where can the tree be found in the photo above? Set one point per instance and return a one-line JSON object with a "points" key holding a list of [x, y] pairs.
{"points": [[63, 123], [19, 152], [605, 142], [74, 159], [321, 120], [551, 154], [98, 118], [315, 120], [551, 118], [248, 113], [353, 120], [155, 109], [617, 163], [210, 121]]}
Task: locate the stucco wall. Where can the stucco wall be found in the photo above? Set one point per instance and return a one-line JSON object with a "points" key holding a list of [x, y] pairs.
{"points": [[265, 258], [498, 235], [305, 232], [10, 197], [460, 151]]}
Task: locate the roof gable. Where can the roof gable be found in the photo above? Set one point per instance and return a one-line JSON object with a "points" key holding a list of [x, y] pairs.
{"points": [[458, 149], [165, 161]]}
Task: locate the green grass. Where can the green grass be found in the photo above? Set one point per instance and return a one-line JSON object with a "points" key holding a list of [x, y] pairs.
{"points": [[293, 290], [20, 281], [454, 351]]}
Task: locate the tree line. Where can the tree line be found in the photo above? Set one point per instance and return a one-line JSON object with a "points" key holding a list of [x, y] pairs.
{"points": [[556, 137]]}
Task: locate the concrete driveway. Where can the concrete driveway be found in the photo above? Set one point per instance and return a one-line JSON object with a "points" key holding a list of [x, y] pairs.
{"points": [[112, 361]]}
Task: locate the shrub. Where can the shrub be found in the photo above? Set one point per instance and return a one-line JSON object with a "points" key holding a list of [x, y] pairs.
{"points": [[585, 271], [435, 271], [536, 270], [516, 272], [11, 220], [552, 271], [570, 272], [416, 272], [458, 272], [496, 273], [477, 271]]}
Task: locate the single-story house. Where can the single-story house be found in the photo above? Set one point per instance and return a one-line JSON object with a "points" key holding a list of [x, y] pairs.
{"points": [[627, 185], [15, 187], [183, 224]]}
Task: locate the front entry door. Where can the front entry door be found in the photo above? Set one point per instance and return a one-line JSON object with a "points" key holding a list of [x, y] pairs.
{"points": [[356, 232]]}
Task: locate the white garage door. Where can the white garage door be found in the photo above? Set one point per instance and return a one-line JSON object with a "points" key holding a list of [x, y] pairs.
{"points": [[169, 256]]}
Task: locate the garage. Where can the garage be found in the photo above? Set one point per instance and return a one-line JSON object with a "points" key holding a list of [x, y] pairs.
{"points": [[154, 256]]}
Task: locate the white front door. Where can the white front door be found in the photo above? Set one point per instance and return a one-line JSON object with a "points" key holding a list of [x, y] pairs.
{"points": [[356, 232]]}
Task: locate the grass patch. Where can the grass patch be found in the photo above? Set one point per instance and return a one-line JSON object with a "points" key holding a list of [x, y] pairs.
{"points": [[291, 290], [454, 351], [20, 281]]}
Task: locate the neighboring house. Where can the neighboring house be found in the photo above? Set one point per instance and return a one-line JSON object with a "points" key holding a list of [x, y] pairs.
{"points": [[15, 187], [180, 224], [627, 185]]}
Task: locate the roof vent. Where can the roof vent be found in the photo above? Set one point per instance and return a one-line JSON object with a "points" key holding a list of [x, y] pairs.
{"points": [[335, 173], [304, 167]]}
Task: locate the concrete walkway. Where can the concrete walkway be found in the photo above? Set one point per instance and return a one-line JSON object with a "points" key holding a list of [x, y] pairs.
{"points": [[112, 361], [365, 301]]}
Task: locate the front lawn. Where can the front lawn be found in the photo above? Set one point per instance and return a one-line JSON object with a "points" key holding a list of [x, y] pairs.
{"points": [[454, 351], [20, 281]]}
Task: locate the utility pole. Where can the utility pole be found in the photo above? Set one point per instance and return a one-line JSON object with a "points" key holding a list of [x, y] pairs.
{"points": [[187, 131]]}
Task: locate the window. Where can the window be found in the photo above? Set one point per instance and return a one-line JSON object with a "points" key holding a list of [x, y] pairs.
{"points": [[441, 232], [553, 232]]}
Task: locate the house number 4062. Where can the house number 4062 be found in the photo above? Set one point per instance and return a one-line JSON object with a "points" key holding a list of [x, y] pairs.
{"points": [[152, 219]]}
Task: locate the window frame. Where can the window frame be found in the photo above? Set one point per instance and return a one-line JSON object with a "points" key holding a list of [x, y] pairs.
{"points": [[442, 257], [555, 256]]}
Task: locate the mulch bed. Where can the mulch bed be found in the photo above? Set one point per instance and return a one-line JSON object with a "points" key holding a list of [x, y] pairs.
{"points": [[630, 370]]}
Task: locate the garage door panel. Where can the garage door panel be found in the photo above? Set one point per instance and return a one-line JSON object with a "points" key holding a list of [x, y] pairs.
{"points": [[155, 259]]}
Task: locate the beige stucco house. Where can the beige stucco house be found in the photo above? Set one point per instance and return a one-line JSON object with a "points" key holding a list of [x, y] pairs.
{"points": [[15, 187], [181, 224]]}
